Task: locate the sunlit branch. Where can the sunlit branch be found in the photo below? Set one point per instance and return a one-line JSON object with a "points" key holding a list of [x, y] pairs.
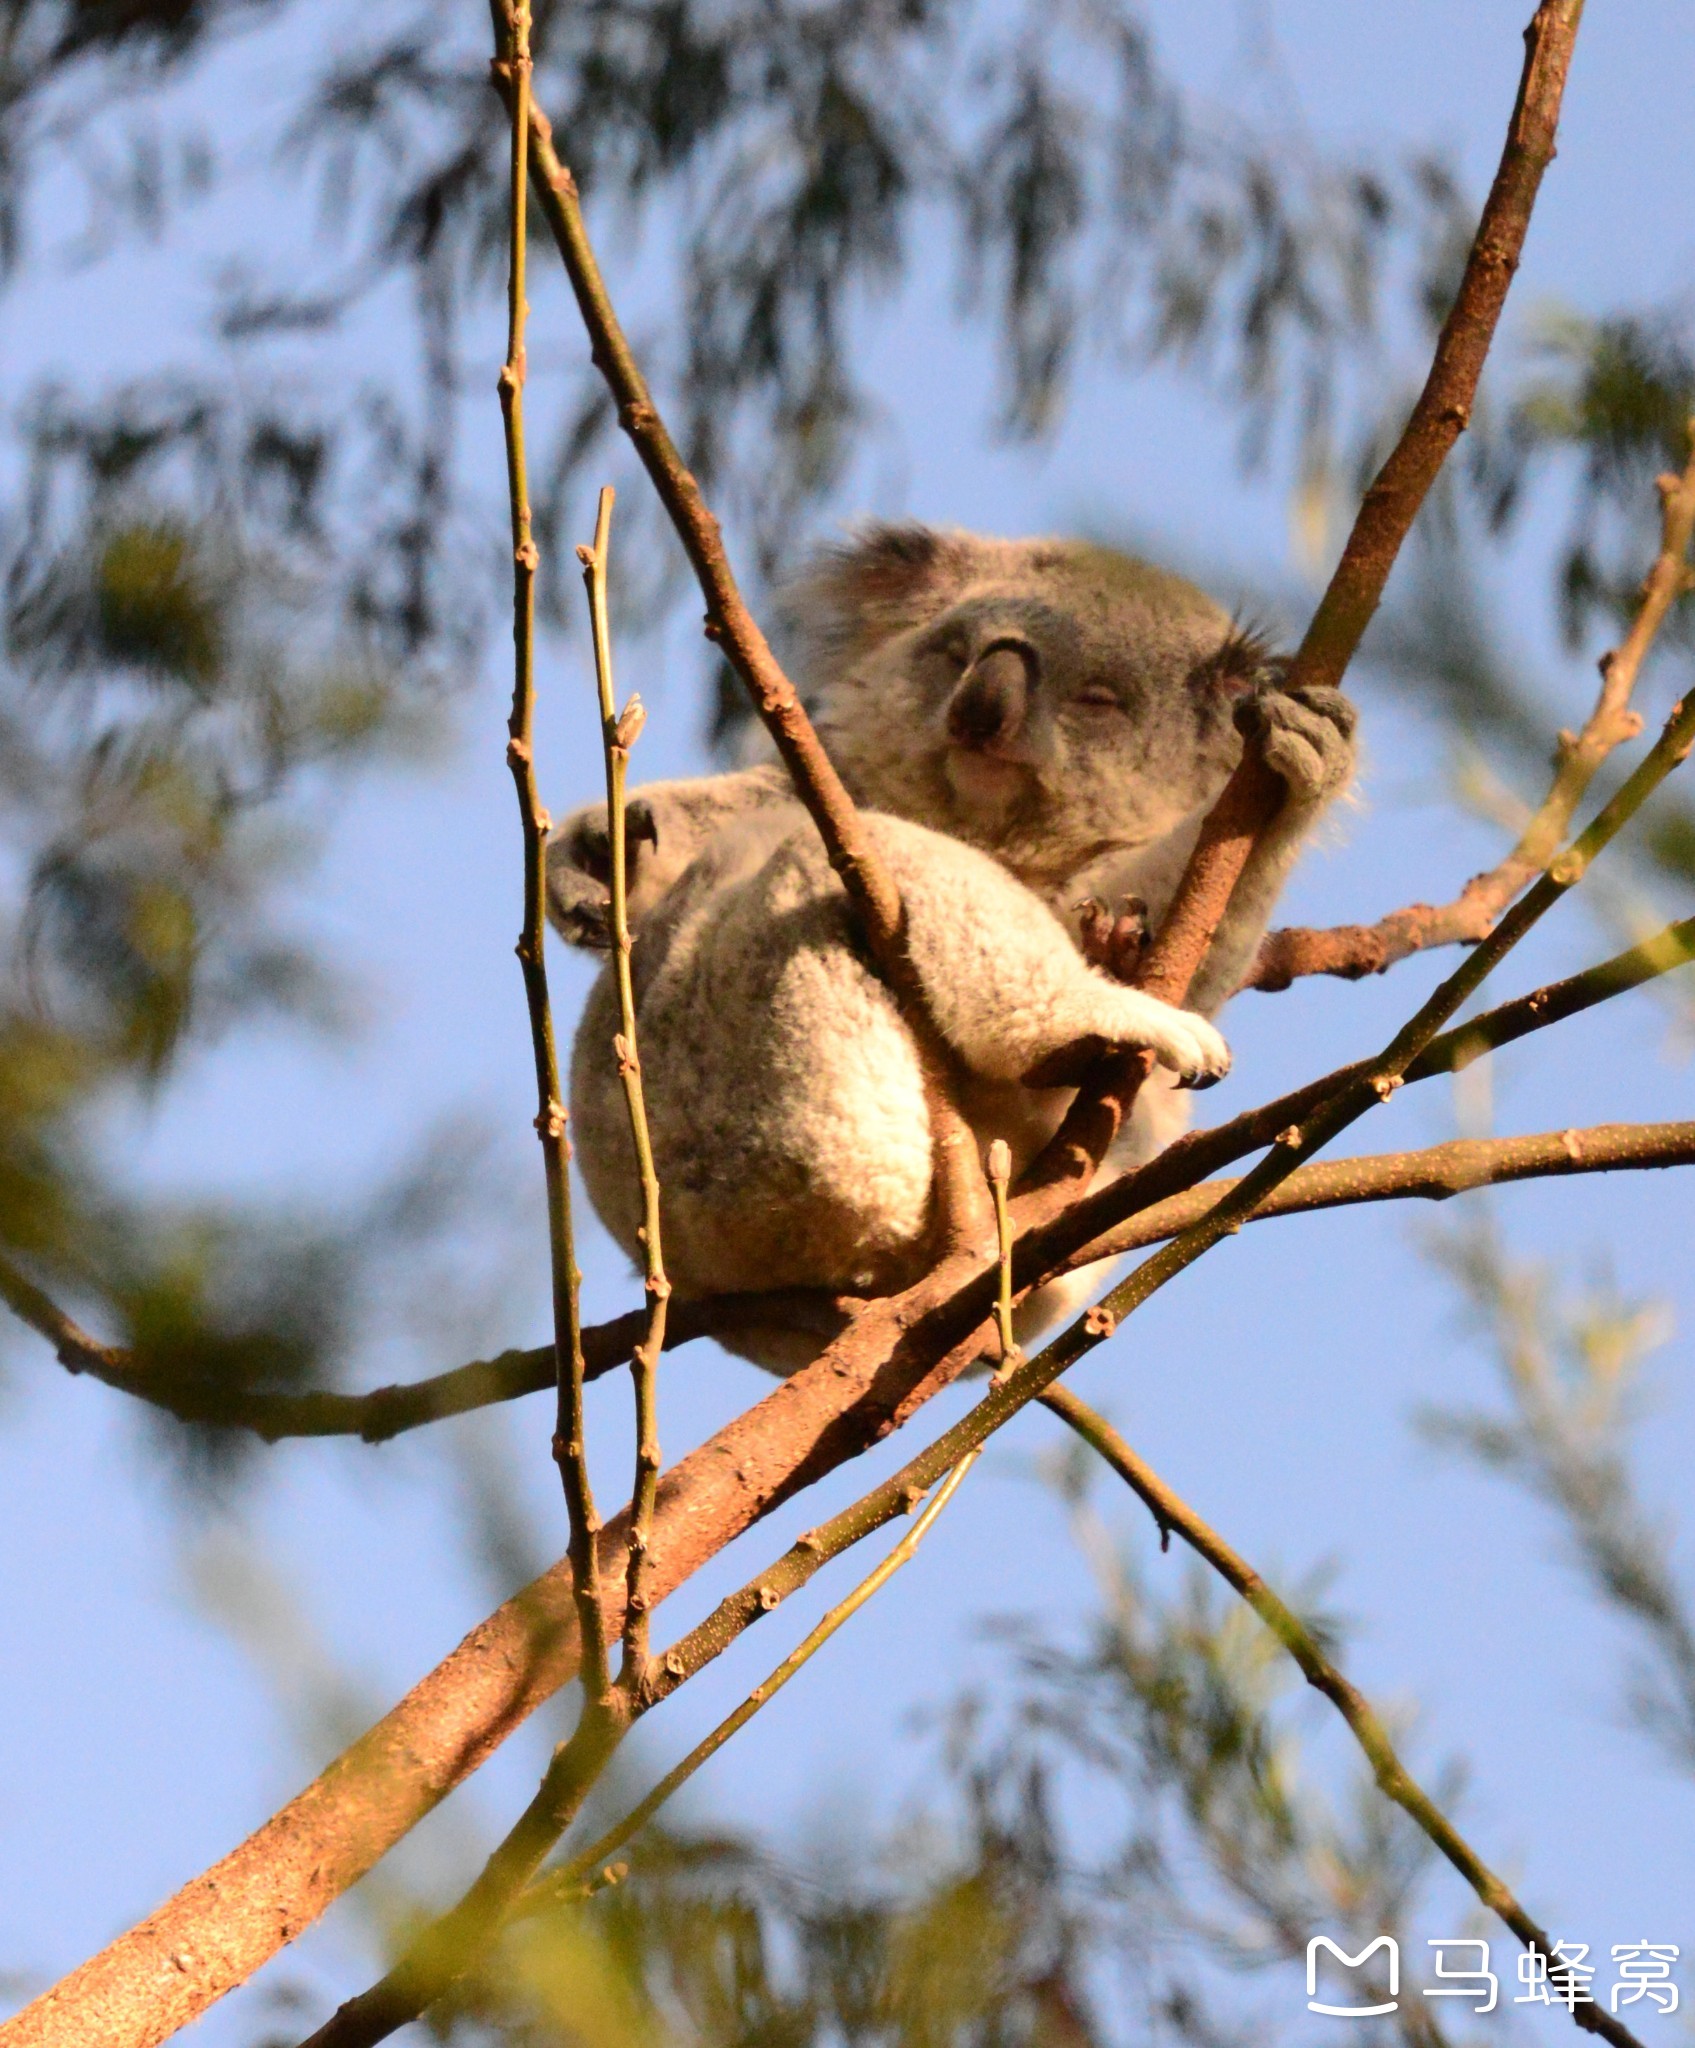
{"points": [[568, 1447], [618, 732], [1353, 950], [1431, 1175], [962, 1200], [569, 1880], [447, 1947], [1173, 1515]]}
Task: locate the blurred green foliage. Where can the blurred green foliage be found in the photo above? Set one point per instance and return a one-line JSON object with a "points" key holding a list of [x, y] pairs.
{"points": [[227, 590]]}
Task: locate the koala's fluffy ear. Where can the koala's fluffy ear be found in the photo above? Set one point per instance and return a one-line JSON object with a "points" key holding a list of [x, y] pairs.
{"points": [[883, 581]]}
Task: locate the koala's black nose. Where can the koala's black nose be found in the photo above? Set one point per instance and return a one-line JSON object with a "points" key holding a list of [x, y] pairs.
{"points": [[993, 698]]}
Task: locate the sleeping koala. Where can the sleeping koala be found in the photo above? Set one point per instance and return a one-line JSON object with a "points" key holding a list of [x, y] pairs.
{"points": [[1028, 725]]}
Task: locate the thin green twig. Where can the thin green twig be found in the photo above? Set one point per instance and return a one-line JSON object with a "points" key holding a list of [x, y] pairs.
{"points": [[618, 732], [569, 1880], [1173, 1514], [568, 1448]]}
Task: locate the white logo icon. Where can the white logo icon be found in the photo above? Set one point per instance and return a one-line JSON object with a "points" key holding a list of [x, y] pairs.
{"points": [[1348, 1962]]}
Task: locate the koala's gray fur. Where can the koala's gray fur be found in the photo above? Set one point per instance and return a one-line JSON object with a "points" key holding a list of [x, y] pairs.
{"points": [[1028, 724]]}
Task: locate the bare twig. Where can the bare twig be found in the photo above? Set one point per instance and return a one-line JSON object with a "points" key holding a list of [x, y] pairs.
{"points": [[1430, 1175], [1000, 1173], [568, 1449], [557, 1887], [1353, 950], [1173, 1514], [618, 733]]}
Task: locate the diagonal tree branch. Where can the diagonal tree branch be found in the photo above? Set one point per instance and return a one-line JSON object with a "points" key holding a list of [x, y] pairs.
{"points": [[226, 1923], [1395, 1781], [1443, 410], [962, 1199], [451, 1944]]}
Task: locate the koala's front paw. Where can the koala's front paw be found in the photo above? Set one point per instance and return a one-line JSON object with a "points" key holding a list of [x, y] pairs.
{"points": [[1133, 1022], [579, 870], [1306, 736], [1178, 1039]]}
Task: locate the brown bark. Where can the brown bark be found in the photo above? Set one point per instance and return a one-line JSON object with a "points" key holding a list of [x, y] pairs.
{"points": [[962, 1208], [1444, 405], [227, 1923], [1069, 1161]]}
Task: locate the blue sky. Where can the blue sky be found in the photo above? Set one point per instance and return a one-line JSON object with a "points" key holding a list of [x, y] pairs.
{"points": [[142, 1739]]}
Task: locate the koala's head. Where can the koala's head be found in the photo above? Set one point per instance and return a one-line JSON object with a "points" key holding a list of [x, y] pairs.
{"points": [[1047, 700]]}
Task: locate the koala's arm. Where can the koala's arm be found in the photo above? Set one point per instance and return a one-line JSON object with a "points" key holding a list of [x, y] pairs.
{"points": [[1004, 983], [667, 824], [1307, 738]]}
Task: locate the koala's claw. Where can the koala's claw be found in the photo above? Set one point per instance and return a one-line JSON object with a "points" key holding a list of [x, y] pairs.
{"points": [[1306, 736]]}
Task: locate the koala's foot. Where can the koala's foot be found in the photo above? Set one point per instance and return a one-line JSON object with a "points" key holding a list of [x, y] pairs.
{"points": [[1178, 1039], [579, 870], [1114, 944], [1306, 736]]}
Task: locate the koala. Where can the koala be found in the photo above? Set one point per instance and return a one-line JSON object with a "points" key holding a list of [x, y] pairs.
{"points": [[1030, 727]]}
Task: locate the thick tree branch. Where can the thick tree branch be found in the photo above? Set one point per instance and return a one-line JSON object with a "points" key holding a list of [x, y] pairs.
{"points": [[445, 1949], [1395, 1781], [1443, 410]]}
